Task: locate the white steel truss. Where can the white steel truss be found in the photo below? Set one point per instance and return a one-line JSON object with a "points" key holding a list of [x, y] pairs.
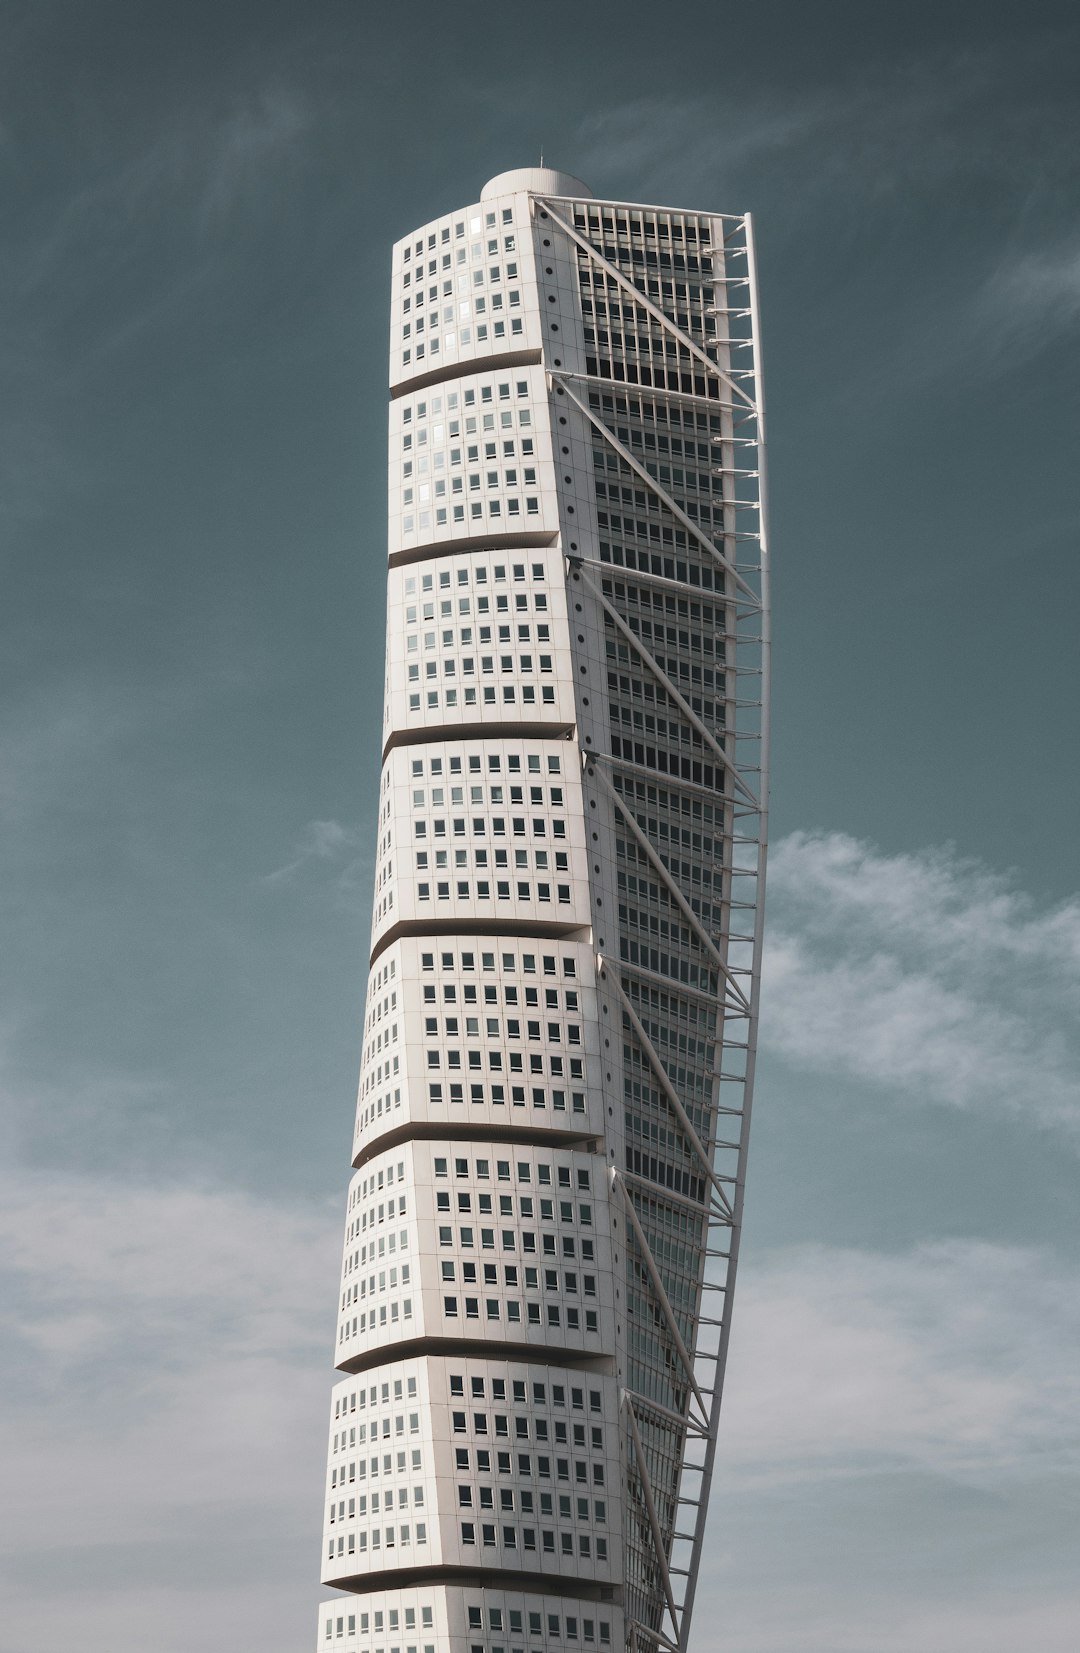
{"points": [[677, 1552]]}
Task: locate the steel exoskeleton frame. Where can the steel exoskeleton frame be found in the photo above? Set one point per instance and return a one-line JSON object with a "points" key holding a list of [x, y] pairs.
{"points": [[742, 748]]}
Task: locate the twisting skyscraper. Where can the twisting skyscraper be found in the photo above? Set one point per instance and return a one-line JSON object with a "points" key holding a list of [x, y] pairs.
{"points": [[558, 1053]]}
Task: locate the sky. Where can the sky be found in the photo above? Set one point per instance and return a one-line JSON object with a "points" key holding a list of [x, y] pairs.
{"points": [[198, 207]]}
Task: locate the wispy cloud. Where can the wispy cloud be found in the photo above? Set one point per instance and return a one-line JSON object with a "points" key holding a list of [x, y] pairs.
{"points": [[914, 121], [332, 845], [924, 974], [169, 1368], [1028, 304], [954, 1359]]}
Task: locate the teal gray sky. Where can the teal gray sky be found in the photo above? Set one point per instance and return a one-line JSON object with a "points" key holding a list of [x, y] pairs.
{"points": [[199, 202]]}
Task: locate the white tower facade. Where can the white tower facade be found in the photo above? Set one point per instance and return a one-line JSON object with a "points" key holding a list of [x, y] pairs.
{"points": [[543, 1219]]}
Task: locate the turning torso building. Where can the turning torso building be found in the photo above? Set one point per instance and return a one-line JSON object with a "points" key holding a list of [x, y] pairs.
{"points": [[543, 1218]]}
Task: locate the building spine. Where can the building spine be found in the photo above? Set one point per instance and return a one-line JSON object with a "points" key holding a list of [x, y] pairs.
{"points": [[558, 1059]]}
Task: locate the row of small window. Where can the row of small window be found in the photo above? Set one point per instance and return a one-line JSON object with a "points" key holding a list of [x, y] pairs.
{"points": [[690, 680], [358, 1469], [367, 1253], [640, 500], [477, 574], [422, 493], [565, 1469], [394, 1621], [712, 915], [424, 464], [384, 1177], [383, 1281], [459, 229], [467, 309], [435, 768], [705, 871], [510, 998], [378, 1394], [547, 1504], [464, 637], [556, 1315], [660, 634], [383, 1038], [438, 449], [510, 963], [389, 1462], [411, 522], [375, 1109], [381, 1538], [588, 1544], [511, 966], [669, 931], [633, 258], [516, 1621], [459, 824], [475, 254], [529, 1277], [484, 666], [693, 612], [463, 891], [519, 1392], [491, 1061], [526, 1205], [569, 1626], [583, 1437], [468, 698], [452, 274], [368, 1218], [377, 1075], [538, 1097], [681, 1046], [421, 352], [707, 576], [663, 534], [659, 412], [615, 311], [357, 1508], [670, 480], [483, 640], [388, 1314], [687, 805], [494, 1030], [438, 860], [662, 760], [413, 302], [496, 797], [444, 237], [509, 1243], [454, 402], [481, 1169], [642, 887], [662, 226]]}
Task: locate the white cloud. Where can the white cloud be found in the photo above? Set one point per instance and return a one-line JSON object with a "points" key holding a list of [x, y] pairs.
{"points": [[891, 132], [925, 974], [163, 1416], [956, 1358], [1028, 304], [330, 843]]}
